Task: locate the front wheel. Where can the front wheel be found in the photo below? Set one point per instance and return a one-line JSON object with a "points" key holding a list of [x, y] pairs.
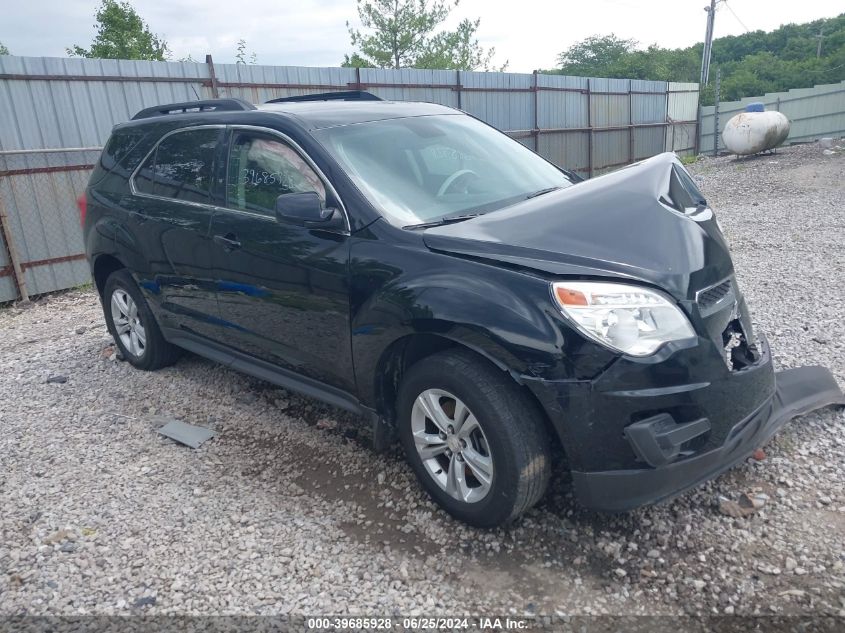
{"points": [[476, 442], [132, 325]]}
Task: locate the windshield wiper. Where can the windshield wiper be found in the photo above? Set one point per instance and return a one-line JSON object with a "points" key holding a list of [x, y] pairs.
{"points": [[447, 220], [541, 192]]}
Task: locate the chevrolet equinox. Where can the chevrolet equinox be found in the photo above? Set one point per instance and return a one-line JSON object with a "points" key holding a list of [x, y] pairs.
{"points": [[409, 263]]}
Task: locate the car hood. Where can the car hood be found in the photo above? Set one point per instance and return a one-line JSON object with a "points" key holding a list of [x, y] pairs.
{"points": [[618, 225]]}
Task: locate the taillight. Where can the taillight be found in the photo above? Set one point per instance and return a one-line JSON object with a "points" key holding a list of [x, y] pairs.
{"points": [[82, 203]]}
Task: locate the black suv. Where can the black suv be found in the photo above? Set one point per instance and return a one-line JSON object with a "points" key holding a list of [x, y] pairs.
{"points": [[410, 263]]}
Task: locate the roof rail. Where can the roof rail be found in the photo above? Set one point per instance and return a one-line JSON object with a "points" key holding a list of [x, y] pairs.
{"points": [[345, 95], [207, 105]]}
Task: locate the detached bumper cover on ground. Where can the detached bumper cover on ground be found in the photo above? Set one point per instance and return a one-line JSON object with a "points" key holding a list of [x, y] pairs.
{"points": [[797, 391]]}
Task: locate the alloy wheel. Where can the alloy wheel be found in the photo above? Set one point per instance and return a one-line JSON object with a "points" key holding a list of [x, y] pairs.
{"points": [[452, 445], [127, 323]]}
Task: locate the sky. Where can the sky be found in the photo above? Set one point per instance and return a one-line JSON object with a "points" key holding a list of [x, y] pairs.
{"points": [[528, 34]]}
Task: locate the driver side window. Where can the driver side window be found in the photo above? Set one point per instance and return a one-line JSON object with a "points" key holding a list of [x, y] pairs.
{"points": [[261, 168]]}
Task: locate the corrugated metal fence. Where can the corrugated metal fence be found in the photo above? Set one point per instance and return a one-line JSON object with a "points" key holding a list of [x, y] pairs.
{"points": [[813, 113], [55, 113]]}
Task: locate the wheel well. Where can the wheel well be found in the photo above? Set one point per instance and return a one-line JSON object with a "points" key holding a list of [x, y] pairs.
{"points": [[409, 350], [104, 266], [396, 360]]}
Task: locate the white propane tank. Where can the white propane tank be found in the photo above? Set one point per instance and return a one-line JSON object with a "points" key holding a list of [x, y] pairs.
{"points": [[755, 130]]}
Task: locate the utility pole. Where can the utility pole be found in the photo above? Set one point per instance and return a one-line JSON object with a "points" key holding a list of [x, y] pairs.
{"points": [[708, 44], [716, 97], [820, 36]]}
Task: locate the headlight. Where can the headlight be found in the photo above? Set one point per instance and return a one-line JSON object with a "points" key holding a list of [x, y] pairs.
{"points": [[626, 318]]}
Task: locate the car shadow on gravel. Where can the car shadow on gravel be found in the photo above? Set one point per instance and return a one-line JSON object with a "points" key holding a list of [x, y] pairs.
{"points": [[316, 455], [330, 458]]}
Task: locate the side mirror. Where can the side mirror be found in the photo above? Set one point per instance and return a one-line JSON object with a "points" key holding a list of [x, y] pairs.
{"points": [[306, 209]]}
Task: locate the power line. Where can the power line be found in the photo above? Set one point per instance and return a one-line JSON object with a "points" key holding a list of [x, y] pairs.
{"points": [[823, 70], [733, 13]]}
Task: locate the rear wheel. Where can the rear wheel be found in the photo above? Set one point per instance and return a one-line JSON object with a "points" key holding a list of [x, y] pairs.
{"points": [[132, 325], [476, 442]]}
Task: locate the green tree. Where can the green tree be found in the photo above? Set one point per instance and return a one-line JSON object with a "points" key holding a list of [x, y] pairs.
{"points": [[122, 34], [596, 56], [241, 57], [458, 50], [402, 34], [3, 49], [356, 61], [751, 64]]}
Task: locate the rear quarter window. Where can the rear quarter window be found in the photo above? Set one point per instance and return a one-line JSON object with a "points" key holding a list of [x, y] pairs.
{"points": [[121, 154], [181, 166]]}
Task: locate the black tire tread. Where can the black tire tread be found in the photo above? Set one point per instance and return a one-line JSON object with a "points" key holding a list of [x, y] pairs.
{"points": [[159, 353], [527, 435]]}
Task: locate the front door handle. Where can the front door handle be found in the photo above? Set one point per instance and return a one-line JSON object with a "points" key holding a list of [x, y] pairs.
{"points": [[229, 241]]}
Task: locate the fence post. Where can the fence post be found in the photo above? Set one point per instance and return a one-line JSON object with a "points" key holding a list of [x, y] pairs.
{"points": [[631, 121], [6, 231], [210, 63], [668, 121], [535, 132], [458, 88], [590, 128], [716, 112]]}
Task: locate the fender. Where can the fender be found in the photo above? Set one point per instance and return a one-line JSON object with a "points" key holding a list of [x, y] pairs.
{"points": [[503, 315]]}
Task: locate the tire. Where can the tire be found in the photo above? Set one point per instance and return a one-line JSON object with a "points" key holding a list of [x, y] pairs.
{"points": [[123, 299], [512, 443]]}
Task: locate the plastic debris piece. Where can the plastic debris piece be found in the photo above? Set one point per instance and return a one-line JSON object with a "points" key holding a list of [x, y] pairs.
{"points": [[745, 506], [185, 433]]}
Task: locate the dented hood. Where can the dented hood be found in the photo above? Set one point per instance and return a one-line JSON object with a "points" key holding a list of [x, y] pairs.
{"points": [[624, 224]]}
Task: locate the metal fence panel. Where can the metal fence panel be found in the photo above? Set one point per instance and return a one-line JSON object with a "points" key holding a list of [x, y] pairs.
{"points": [[565, 103], [610, 102], [681, 138], [410, 84], [682, 111], [504, 100], [648, 101], [8, 291], [258, 84], [648, 141], [568, 149], [608, 147], [38, 194], [76, 102], [586, 124]]}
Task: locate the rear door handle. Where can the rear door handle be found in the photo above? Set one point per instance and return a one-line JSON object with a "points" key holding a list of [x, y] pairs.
{"points": [[229, 241]]}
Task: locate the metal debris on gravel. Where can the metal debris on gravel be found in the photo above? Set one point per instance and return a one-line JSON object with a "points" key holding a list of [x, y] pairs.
{"points": [[101, 514], [184, 433]]}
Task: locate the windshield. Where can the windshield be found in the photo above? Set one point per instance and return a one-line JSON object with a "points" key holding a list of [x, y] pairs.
{"points": [[423, 169]]}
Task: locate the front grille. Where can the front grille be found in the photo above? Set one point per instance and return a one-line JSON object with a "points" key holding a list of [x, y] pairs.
{"points": [[712, 296]]}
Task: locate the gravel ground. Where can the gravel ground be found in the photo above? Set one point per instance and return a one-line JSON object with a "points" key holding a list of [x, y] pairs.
{"points": [[289, 511]]}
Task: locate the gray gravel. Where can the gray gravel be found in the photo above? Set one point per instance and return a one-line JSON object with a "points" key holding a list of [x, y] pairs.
{"points": [[288, 511]]}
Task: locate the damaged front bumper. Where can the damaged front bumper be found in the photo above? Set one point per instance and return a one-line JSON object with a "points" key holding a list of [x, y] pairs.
{"points": [[646, 429], [797, 391]]}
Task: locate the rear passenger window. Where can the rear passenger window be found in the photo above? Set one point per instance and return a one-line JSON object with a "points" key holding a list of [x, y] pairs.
{"points": [[261, 169], [181, 166]]}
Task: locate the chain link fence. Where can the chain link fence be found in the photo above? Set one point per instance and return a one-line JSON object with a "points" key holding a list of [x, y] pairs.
{"points": [[41, 247]]}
